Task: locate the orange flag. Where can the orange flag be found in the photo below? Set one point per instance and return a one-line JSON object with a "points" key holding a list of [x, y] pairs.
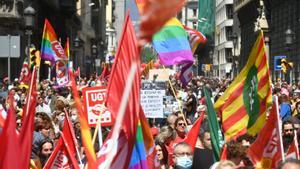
{"points": [[154, 15], [85, 129]]}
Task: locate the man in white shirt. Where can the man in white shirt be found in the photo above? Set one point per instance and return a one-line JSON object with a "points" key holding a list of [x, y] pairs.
{"points": [[42, 107]]}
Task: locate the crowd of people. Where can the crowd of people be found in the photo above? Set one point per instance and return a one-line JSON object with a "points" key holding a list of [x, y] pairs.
{"points": [[169, 133]]}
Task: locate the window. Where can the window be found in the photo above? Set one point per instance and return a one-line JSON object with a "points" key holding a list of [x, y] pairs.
{"points": [[229, 11], [194, 12]]}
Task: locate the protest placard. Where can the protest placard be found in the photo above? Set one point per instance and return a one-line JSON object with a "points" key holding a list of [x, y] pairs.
{"points": [[94, 98], [152, 103]]}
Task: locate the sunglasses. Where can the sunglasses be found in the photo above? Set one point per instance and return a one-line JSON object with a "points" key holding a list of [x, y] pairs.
{"points": [[181, 124]]}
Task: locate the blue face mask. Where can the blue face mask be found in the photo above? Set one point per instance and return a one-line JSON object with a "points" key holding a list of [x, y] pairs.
{"points": [[184, 162]]}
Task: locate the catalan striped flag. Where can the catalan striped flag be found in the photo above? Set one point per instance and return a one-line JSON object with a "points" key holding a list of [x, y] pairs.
{"points": [[195, 38], [244, 103], [172, 45], [149, 66]]}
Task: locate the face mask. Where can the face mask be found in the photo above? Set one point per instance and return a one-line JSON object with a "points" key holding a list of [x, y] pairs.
{"points": [[60, 118], [184, 162], [73, 118]]}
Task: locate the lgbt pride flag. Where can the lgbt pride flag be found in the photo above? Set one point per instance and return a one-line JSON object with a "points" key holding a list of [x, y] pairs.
{"points": [[139, 155], [172, 45], [52, 50]]}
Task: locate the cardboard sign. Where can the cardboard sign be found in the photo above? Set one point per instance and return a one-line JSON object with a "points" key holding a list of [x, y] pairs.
{"points": [[94, 98], [152, 103]]}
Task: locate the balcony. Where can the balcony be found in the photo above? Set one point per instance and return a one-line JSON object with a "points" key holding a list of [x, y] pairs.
{"points": [[9, 10], [192, 4], [238, 4]]}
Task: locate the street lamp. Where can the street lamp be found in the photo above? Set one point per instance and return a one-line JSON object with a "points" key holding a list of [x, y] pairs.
{"points": [[29, 14], [76, 42], [289, 37], [94, 50], [289, 34], [234, 41]]}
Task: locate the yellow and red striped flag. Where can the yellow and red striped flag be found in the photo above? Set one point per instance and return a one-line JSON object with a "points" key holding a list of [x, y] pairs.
{"points": [[244, 104], [149, 66]]}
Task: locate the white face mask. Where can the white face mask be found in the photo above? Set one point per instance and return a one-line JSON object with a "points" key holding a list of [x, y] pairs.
{"points": [[184, 162], [60, 118], [73, 117]]}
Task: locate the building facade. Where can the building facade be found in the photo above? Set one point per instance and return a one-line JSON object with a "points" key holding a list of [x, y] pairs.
{"points": [[280, 16], [223, 59]]}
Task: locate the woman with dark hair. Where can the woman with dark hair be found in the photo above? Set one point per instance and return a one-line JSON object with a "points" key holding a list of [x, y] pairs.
{"points": [[45, 151], [161, 161]]}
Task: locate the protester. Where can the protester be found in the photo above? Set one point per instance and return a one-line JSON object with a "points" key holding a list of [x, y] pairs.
{"points": [[180, 127], [288, 134], [183, 156], [46, 148], [204, 151], [162, 156], [290, 164]]}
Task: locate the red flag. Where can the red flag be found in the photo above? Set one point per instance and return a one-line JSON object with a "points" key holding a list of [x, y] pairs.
{"points": [[192, 135], [155, 13], [64, 153], [126, 58], [9, 149], [267, 149], [2, 116], [105, 73], [77, 72], [224, 153], [26, 134], [25, 74]]}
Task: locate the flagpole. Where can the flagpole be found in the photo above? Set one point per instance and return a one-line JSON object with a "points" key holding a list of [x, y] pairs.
{"points": [[279, 128], [180, 106], [296, 144], [121, 113], [98, 130]]}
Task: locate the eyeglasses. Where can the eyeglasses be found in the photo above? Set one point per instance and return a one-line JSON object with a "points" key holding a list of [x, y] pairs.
{"points": [[181, 124]]}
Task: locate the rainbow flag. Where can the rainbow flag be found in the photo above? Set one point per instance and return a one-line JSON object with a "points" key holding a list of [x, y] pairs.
{"points": [[67, 48], [195, 38], [172, 45], [139, 155], [51, 48]]}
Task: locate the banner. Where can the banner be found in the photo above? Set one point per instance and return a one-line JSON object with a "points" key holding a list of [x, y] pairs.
{"points": [[94, 98], [152, 103]]}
